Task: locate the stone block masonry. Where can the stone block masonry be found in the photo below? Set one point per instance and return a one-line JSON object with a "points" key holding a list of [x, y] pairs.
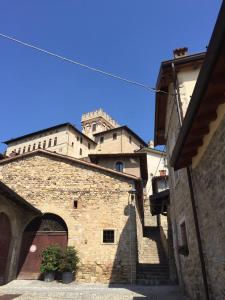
{"points": [[52, 184]]}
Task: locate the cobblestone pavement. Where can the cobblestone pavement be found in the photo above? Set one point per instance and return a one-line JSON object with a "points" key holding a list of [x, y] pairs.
{"points": [[39, 290]]}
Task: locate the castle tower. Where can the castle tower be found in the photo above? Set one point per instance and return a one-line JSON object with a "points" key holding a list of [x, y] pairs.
{"points": [[97, 121]]}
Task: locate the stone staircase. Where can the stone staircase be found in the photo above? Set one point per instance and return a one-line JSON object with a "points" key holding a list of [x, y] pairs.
{"points": [[152, 268]]}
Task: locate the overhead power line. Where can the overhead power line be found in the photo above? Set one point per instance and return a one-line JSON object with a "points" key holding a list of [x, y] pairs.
{"points": [[152, 89]]}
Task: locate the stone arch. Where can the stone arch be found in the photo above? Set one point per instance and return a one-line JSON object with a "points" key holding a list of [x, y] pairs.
{"points": [[5, 240], [39, 233]]}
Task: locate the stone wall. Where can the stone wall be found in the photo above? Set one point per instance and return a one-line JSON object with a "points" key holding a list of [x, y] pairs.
{"points": [[52, 184], [209, 188], [188, 267], [19, 218]]}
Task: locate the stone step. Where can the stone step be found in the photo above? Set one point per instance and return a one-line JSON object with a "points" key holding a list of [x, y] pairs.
{"points": [[151, 277], [153, 282]]}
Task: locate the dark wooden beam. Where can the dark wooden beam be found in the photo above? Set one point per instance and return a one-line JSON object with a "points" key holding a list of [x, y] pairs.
{"points": [[199, 132], [189, 152], [206, 117]]}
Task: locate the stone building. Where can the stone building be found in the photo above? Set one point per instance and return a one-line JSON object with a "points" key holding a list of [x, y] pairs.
{"points": [[82, 204], [80, 181], [191, 122]]}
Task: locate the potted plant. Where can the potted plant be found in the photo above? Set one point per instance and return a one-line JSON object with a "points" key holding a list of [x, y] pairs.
{"points": [[68, 264], [50, 262]]}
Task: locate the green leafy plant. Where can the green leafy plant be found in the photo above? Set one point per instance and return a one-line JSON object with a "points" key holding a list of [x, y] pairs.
{"points": [[51, 257], [69, 260]]}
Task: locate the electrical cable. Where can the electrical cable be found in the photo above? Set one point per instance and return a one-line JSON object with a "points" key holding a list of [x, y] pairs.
{"points": [[83, 65]]}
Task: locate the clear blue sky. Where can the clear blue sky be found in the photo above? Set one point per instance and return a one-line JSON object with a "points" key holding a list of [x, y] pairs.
{"points": [[126, 37]]}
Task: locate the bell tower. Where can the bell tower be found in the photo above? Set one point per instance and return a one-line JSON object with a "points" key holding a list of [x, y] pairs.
{"points": [[97, 121]]}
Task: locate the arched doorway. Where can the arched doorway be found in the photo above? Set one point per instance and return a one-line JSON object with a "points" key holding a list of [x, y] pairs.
{"points": [[40, 233], [5, 238]]}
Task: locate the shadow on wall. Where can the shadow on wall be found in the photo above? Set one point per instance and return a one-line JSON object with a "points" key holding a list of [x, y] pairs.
{"points": [[124, 265]]}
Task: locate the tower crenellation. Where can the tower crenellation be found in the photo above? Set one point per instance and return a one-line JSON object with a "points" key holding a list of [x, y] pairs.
{"points": [[97, 121]]}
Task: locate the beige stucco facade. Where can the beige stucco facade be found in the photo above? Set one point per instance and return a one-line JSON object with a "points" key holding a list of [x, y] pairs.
{"points": [[67, 140]]}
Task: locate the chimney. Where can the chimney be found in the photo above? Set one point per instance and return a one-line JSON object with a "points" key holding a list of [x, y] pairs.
{"points": [[180, 52], [151, 144]]}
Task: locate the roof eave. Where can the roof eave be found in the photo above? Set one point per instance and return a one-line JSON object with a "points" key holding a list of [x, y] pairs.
{"points": [[214, 48]]}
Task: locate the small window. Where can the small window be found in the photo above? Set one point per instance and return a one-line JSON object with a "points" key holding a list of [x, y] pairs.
{"points": [[24, 149], [130, 139], [72, 144], [44, 144], [119, 166], [28, 149], [75, 204], [19, 150], [55, 141], [78, 138], [39, 145], [81, 140], [108, 236], [34, 146], [89, 146], [50, 143], [101, 139], [94, 127], [114, 136], [183, 234], [80, 151]]}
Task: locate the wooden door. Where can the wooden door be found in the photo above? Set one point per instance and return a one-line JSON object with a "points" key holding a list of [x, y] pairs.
{"points": [[33, 244]]}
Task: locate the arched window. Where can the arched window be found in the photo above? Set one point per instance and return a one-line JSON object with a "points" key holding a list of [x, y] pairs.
{"points": [[50, 143], [44, 144], [55, 141], [119, 166], [34, 146], [94, 127]]}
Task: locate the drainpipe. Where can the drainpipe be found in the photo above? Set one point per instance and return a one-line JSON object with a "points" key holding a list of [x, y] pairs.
{"points": [[190, 184], [177, 94]]}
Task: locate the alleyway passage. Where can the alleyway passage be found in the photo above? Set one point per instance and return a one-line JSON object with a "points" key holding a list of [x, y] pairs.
{"points": [[38, 290]]}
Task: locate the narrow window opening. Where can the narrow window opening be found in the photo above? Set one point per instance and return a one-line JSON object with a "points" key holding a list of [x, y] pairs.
{"points": [[108, 236], [94, 127], [72, 144], [55, 141], [75, 204], [184, 234], [39, 145], [81, 140], [44, 144], [24, 149], [80, 151], [50, 143], [114, 136], [101, 139], [89, 146], [119, 166], [29, 148], [34, 146], [78, 138]]}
